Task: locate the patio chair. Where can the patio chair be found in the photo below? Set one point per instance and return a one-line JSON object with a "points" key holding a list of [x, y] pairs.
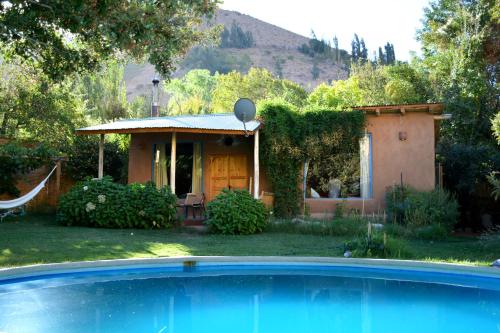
{"points": [[195, 201]]}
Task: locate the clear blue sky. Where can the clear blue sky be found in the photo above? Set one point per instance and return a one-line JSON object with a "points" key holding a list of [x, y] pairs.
{"points": [[377, 21]]}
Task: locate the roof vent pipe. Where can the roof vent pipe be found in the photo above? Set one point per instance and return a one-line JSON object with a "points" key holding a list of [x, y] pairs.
{"points": [[155, 108]]}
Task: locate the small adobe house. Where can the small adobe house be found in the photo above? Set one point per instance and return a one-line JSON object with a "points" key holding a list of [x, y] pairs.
{"points": [[207, 153]]}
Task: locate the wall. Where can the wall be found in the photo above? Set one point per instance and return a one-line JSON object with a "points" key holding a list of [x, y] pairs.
{"points": [[46, 200], [413, 159], [141, 153]]}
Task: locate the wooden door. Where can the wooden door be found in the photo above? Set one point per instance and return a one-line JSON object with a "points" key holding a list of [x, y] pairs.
{"points": [[227, 171], [238, 175]]}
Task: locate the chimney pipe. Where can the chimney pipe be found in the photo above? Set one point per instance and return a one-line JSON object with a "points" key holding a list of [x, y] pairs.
{"points": [[155, 108]]}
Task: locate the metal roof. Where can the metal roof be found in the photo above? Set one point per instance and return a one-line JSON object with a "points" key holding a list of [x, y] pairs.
{"points": [[209, 123]]}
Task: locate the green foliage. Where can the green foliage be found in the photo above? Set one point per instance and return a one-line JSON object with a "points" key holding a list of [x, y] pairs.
{"points": [[258, 85], [359, 52], [235, 37], [16, 159], [104, 204], [83, 157], [290, 137], [378, 245], [495, 126], [31, 109], [104, 93], [236, 212], [374, 85], [467, 165], [216, 60], [191, 94], [419, 209], [38, 32], [461, 60]]}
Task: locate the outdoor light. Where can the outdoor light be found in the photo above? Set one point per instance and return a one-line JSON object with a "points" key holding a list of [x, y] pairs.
{"points": [[154, 101]]}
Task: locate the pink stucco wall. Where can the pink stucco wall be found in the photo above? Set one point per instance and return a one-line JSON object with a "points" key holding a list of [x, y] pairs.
{"points": [[413, 158]]}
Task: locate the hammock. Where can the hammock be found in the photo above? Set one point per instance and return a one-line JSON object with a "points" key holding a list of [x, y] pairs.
{"points": [[11, 204]]}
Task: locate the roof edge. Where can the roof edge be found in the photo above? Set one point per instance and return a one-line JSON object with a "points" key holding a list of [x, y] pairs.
{"points": [[83, 131], [431, 108]]}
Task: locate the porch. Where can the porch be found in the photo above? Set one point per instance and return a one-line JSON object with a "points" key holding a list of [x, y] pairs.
{"points": [[196, 156]]}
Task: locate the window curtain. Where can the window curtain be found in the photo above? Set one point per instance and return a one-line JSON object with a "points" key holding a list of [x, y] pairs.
{"points": [[197, 168], [160, 174], [364, 158]]}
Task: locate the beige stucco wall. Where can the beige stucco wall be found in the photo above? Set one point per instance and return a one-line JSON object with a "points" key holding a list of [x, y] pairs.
{"points": [[413, 158]]}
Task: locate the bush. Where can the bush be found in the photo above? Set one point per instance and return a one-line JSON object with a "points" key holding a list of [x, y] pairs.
{"points": [[102, 203], [378, 245], [83, 156], [418, 209], [236, 212]]}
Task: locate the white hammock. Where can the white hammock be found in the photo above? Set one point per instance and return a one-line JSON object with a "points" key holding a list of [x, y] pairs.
{"points": [[10, 204]]}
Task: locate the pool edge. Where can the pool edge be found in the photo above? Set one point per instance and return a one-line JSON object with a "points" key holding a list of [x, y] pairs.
{"points": [[102, 265]]}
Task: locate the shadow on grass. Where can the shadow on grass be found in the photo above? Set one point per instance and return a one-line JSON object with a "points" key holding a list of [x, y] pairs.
{"points": [[39, 239]]}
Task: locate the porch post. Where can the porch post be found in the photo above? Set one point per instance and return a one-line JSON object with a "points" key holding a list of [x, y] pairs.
{"points": [[100, 169], [256, 164], [173, 153]]}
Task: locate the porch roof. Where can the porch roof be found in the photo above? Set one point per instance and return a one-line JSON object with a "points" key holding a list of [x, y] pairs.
{"points": [[225, 123]]}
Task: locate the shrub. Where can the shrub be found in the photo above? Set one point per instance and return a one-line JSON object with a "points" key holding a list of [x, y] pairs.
{"points": [[418, 209], [236, 212], [102, 203], [378, 245], [83, 155]]}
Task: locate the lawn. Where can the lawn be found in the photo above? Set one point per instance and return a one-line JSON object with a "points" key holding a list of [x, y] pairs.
{"points": [[39, 239]]}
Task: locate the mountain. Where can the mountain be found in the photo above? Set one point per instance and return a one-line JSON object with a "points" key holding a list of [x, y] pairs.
{"points": [[272, 47]]}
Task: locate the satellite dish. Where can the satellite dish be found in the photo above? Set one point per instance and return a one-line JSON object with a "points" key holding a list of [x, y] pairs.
{"points": [[244, 110]]}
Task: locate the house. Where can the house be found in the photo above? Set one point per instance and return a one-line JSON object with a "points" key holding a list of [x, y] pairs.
{"points": [[213, 152]]}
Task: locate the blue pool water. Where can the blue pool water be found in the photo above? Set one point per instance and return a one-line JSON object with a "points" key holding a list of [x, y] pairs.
{"points": [[253, 299]]}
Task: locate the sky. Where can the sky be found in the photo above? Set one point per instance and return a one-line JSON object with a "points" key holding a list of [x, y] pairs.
{"points": [[377, 21]]}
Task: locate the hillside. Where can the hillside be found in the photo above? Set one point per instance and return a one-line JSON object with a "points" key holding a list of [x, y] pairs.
{"points": [[274, 48]]}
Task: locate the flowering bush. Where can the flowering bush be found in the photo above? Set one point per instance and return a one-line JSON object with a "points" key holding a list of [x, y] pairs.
{"points": [[102, 203]]}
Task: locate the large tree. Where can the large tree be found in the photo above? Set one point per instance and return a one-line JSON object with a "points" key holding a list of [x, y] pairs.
{"points": [[461, 57], [65, 36]]}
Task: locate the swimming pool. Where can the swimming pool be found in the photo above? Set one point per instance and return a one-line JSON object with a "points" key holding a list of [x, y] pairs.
{"points": [[249, 294]]}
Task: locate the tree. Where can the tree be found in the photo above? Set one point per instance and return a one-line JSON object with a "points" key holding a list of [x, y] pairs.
{"points": [[461, 56], [374, 85], [66, 36], [216, 60], [363, 54], [336, 48], [390, 56], [32, 109], [355, 49], [381, 57], [237, 38], [105, 93], [191, 94], [258, 85]]}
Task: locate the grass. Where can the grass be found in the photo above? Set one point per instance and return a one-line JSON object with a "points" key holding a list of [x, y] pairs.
{"points": [[39, 239]]}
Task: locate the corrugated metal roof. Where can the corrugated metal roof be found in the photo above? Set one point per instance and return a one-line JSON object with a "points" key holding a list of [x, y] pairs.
{"points": [[223, 122]]}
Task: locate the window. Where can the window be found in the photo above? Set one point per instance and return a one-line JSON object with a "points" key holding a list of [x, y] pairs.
{"points": [[341, 174]]}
